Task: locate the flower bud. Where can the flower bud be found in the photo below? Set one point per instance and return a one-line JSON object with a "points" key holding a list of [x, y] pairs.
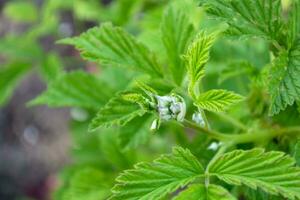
{"points": [[198, 119], [171, 107]]}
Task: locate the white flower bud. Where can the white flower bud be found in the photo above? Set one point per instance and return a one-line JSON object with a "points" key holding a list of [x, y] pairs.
{"points": [[197, 117], [214, 146], [154, 125]]}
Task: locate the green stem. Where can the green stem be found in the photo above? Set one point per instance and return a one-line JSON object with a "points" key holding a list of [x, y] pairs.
{"points": [[216, 156], [243, 138], [213, 134]]}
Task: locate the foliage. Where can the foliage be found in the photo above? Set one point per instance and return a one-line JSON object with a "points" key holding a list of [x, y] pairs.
{"points": [[217, 100], [169, 75], [200, 192], [99, 44], [154, 180]]}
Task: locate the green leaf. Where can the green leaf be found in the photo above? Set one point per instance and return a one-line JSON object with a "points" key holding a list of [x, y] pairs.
{"points": [[87, 184], [200, 192], [77, 89], [274, 172], [138, 98], [177, 30], [247, 17], [217, 100], [21, 11], [20, 47], [237, 69], [111, 45], [113, 152], [151, 181], [10, 77], [135, 132], [197, 55], [297, 153], [284, 84], [51, 68], [117, 112]]}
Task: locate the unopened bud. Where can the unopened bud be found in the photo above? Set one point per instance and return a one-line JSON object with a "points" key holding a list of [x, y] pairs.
{"points": [[198, 119], [171, 107]]}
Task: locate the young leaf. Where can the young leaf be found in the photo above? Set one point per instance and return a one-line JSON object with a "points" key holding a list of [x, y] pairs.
{"points": [[274, 172], [113, 46], [117, 112], [217, 100], [197, 56], [200, 192], [176, 30], [150, 181], [77, 89], [284, 84], [10, 77], [248, 17], [87, 184]]}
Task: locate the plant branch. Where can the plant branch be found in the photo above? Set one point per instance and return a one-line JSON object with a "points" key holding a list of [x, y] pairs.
{"points": [[243, 138]]}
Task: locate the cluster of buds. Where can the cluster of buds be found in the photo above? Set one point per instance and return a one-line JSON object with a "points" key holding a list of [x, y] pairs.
{"points": [[169, 107]]}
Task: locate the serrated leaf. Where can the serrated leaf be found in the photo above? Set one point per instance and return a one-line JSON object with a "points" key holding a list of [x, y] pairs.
{"points": [[52, 67], [217, 100], [297, 153], [10, 76], [258, 194], [151, 181], [197, 55], [177, 30], [117, 112], [274, 172], [137, 98], [200, 192], [87, 184], [284, 84], [113, 46], [248, 17], [77, 89]]}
